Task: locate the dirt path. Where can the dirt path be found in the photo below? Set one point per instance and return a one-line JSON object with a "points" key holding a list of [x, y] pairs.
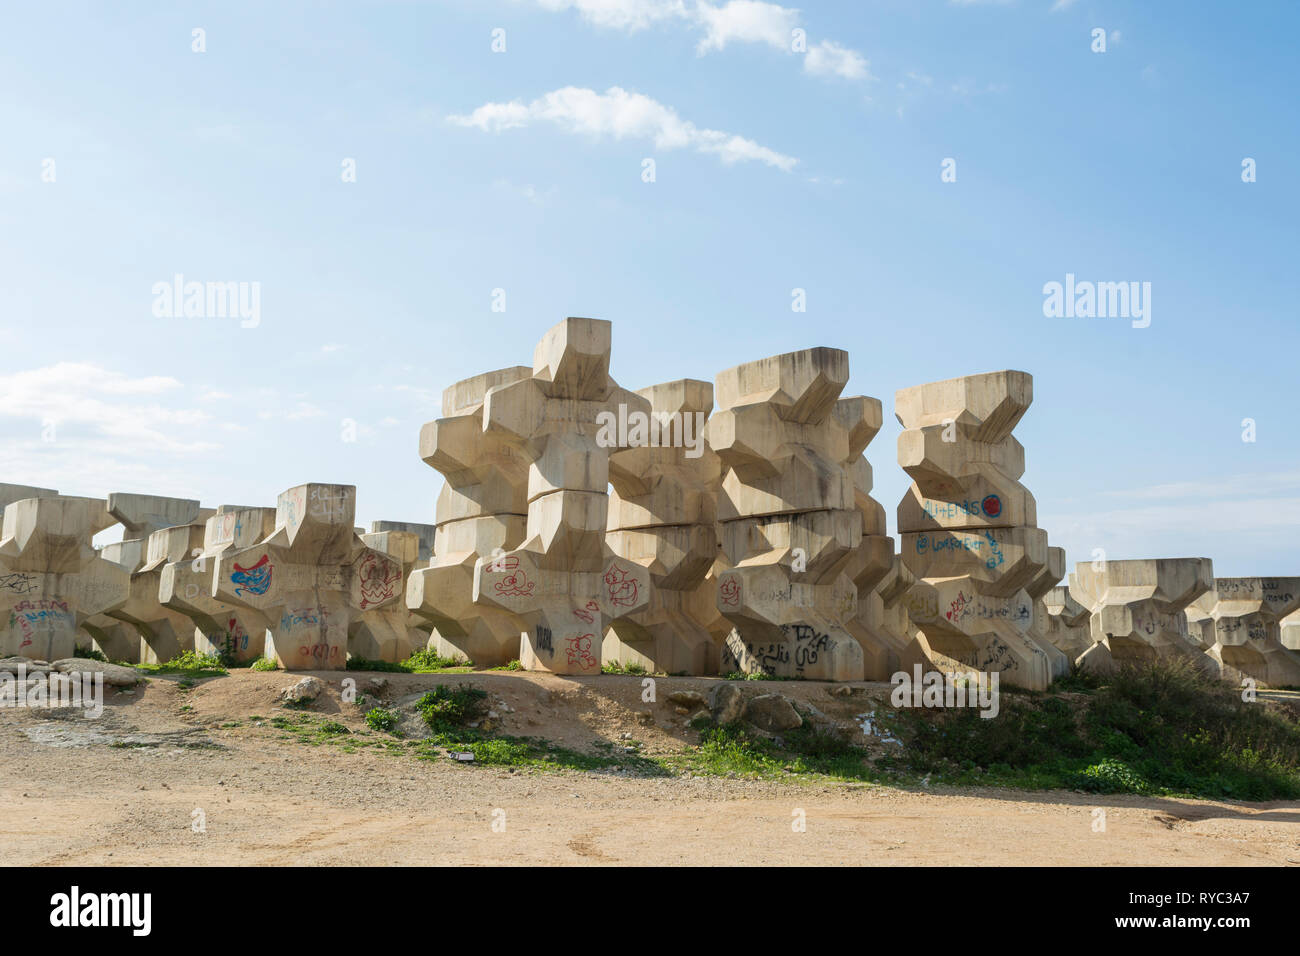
{"points": [[69, 796]]}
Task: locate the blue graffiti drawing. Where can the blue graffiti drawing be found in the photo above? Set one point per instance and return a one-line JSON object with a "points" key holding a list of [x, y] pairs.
{"points": [[996, 558], [254, 580]]}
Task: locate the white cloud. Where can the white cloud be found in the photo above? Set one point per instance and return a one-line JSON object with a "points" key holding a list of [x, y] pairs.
{"points": [[618, 114], [733, 22], [627, 15], [745, 21], [1060, 5], [831, 59], [83, 395]]}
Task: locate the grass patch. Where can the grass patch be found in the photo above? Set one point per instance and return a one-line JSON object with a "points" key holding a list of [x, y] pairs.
{"points": [[423, 661], [90, 654], [187, 663], [264, 664], [378, 718], [512, 666], [616, 667], [446, 710], [735, 750], [1161, 729], [758, 675]]}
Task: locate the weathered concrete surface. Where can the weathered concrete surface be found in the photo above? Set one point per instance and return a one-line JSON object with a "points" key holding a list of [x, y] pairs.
{"points": [[1067, 622], [390, 633], [186, 584], [312, 576], [1245, 634], [790, 523], [1138, 607], [967, 528], [482, 511], [563, 580], [51, 579], [663, 517]]}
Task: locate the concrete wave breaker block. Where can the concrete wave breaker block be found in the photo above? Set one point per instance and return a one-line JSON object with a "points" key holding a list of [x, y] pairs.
{"points": [[791, 518]]}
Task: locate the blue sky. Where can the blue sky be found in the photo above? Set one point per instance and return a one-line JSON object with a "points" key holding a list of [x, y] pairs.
{"points": [[775, 169]]}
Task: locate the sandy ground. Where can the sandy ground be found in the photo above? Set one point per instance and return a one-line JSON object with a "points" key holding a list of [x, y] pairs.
{"points": [[69, 796]]}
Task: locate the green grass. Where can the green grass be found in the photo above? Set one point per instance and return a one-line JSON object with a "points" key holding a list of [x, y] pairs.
{"points": [[1160, 729], [446, 710], [187, 663], [512, 666], [377, 718], [264, 664], [90, 654], [615, 667], [758, 675], [423, 661]]}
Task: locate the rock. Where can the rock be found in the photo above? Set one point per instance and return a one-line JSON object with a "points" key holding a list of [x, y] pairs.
{"points": [[306, 690], [772, 713], [841, 690], [681, 710], [12, 665], [646, 716], [115, 675], [377, 684], [726, 703], [687, 698]]}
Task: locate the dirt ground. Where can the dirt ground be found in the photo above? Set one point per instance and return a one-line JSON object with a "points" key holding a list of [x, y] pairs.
{"points": [[123, 789]]}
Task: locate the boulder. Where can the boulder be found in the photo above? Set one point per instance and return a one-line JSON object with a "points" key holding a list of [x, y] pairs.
{"points": [[726, 703], [772, 713], [305, 691], [115, 675], [688, 698]]}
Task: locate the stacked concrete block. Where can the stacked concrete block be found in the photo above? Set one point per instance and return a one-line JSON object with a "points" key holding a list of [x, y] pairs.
{"points": [[968, 528], [187, 583], [163, 632], [563, 580], [482, 512], [312, 577], [1138, 608], [872, 569], [789, 522], [390, 633], [10, 493], [1052, 574], [1246, 616], [663, 517], [424, 535], [51, 579], [1068, 625]]}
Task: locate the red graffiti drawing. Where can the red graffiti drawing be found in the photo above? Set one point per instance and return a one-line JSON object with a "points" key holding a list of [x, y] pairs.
{"points": [[579, 649], [622, 588], [730, 591], [958, 607], [378, 580], [515, 583], [587, 613]]}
